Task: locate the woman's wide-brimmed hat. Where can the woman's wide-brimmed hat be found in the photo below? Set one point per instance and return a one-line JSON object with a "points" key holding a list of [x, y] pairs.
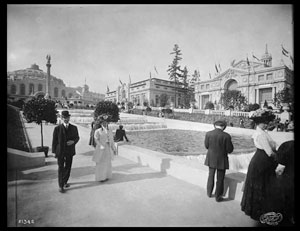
{"points": [[103, 118]]}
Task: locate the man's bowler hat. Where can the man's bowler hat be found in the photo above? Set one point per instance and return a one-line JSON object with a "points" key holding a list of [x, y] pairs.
{"points": [[65, 114]]}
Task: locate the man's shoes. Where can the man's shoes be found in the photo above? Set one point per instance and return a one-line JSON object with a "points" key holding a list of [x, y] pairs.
{"points": [[219, 199], [62, 190], [209, 195], [67, 185]]}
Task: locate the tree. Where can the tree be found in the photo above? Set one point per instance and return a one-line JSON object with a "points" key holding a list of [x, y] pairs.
{"points": [[284, 96], [186, 99], [233, 98], [109, 108], [163, 99], [174, 70], [39, 110]]}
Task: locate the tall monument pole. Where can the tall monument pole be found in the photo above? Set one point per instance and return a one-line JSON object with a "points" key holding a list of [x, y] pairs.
{"points": [[48, 87]]}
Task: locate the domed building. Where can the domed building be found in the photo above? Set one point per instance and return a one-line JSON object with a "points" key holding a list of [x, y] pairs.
{"points": [[32, 81]]}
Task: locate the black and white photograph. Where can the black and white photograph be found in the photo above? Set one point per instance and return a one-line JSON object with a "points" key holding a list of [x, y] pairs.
{"points": [[150, 115]]}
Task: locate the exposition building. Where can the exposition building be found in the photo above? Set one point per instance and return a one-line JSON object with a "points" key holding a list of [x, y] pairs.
{"points": [[25, 83], [148, 91], [258, 82]]}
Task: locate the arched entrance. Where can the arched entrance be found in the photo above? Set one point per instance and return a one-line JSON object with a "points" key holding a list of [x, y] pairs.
{"points": [[39, 94], [231, 85]]}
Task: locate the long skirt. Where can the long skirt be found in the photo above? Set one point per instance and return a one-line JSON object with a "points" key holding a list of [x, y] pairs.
{"points": [[261, 189]]}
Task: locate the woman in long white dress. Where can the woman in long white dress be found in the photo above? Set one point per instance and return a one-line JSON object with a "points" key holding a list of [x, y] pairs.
{"points": [[104, 152]]}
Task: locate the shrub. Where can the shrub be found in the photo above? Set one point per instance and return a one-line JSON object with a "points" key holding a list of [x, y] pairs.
{"points": [[209, 105], [39, 110], [253, 107]]}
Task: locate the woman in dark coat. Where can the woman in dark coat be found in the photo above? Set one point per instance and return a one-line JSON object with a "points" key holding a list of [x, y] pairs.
{"points": [[261, 188], [93, 129]]}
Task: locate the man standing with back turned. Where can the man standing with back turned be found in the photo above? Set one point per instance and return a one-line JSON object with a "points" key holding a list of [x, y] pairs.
{"points": [[65, 136], [219, 145]]}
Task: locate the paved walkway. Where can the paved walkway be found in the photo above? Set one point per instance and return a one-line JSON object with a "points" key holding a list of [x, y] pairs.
{"points": [[135, 196]]}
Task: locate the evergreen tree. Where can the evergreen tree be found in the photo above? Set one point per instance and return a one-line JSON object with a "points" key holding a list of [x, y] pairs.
{"points": [[174, 70]]}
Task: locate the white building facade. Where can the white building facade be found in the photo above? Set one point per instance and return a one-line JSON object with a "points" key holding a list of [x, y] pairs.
{"points": [[257, 81]]}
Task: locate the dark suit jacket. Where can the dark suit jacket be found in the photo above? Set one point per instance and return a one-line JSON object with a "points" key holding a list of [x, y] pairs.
{"points": [[219, 145], [59, 141], [120, 134]]}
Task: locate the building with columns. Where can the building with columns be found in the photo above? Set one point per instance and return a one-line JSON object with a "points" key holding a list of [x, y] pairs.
{"points": [[148, 90], [25, 83], [258, 82]]}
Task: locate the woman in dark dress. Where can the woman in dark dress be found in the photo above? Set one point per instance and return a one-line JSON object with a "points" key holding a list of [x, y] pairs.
{"points": [[261, 188], [285, 170]]}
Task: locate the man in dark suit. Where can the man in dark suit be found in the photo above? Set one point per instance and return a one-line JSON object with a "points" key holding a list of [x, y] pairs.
{"points": [[65, 137], [219, 145], [119, 137], [120, 134]]}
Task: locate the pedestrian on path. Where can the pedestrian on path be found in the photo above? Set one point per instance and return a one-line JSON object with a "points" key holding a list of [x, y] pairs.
{"points": [[65, 137], [260, 192], [105, 150], [92, 139], [219, 144]]}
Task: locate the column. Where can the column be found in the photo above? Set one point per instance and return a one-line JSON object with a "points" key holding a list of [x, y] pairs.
{"points": [[48, 90]]}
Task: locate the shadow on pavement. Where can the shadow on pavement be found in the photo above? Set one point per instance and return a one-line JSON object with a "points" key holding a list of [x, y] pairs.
{"points": [[116, 178]]}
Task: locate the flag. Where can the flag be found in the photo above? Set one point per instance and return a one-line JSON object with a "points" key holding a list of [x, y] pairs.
{"points": [[248, 62], [219, 67], [292, 59], [285, 54], [150, 74], [129, 79], [209, 75], [255, 57], [284, 50], [155, 69], [216, 68], [232, 63], [107, 89], [121, 82]]}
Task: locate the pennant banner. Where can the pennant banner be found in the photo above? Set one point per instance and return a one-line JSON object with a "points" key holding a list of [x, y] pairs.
{"points": [[292, 59], [256, 58], [285, 54], [232, 63], [216, 68], [284, 50]]}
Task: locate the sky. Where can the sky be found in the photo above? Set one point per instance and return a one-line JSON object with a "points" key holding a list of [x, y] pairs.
{"points": [[103, 44]]}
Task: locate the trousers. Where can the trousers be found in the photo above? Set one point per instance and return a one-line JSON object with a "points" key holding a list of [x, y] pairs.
{"points": [[64, 169], [220, 182]]}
